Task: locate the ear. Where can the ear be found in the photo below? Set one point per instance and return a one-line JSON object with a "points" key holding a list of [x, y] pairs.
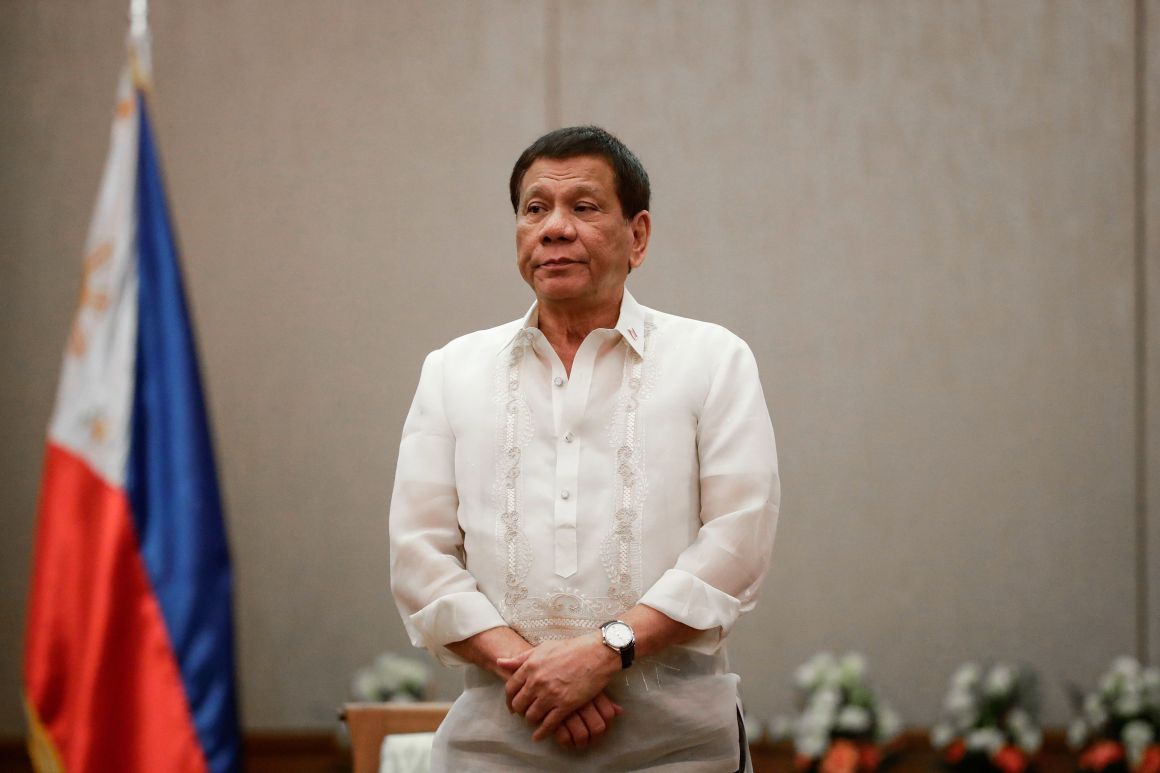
{"points": [[641, 226]]}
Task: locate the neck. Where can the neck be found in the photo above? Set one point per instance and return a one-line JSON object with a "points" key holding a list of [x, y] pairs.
{"points": [[566, 326], [570, 323]]}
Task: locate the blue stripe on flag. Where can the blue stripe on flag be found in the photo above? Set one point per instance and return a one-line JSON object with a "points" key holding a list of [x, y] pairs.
{"points": [[171, 480]]}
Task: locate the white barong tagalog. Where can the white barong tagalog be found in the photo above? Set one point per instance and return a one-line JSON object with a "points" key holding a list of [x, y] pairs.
{"points": [[552, 502]]}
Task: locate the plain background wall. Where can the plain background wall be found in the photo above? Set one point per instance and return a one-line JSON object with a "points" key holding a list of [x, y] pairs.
{"points": [[930, 219]]}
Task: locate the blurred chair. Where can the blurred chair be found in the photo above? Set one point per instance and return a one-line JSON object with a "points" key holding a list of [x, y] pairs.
{"points": [[370, 723]]}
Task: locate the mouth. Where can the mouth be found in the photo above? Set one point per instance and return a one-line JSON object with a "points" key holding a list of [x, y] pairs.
{"points": [[557, 263]]}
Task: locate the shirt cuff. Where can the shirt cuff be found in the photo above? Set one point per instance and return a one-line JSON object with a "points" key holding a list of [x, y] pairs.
{"points": [[688, 599], [452, 618]]}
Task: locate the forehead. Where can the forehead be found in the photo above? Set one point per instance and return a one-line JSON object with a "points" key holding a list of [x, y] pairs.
{"points": [[562, 174]]}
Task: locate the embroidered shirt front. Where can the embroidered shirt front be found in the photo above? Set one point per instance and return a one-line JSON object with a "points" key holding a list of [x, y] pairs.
{"points": [[551, 502]]}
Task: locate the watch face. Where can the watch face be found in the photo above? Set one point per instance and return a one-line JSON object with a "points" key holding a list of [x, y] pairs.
{"points": [[618, 635]]}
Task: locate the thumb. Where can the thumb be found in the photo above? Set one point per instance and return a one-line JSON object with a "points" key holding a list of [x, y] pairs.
{"points": [[514, 662]]}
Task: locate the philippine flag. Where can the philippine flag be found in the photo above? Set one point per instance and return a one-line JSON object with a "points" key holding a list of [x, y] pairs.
{"points": [[129, 661]]}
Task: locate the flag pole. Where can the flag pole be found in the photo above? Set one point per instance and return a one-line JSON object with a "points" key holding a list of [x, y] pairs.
{"points": [[140, 54], [138, 17]]}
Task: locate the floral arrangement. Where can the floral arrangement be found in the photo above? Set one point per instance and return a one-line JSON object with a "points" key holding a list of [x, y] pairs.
{"points": [[990, 719], [391, 678], [1116, 731], [843, 725]]}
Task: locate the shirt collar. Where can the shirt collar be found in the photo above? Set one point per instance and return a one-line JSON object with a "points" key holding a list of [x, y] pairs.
{"points": [[630, 324]]}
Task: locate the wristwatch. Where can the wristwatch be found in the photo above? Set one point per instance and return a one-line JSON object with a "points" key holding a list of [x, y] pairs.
{"points": [[618, 637]]}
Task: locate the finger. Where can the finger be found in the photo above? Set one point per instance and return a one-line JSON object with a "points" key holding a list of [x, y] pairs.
{"points": [[563, 737], [537, 712], [604, 705], [513, 662], [523, 703], [511, 689], [549, 725], [592, 720], [577, 730]]}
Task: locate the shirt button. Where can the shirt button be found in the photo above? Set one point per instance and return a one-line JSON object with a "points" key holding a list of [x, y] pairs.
{"points": [[565, 494], [568, 436], [558, 381]]}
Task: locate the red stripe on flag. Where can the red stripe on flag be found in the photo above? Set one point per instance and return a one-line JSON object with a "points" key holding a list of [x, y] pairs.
{"points": [[99, 670]]}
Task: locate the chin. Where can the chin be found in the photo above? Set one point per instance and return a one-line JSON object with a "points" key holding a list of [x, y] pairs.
{"points": [[559, 291]]}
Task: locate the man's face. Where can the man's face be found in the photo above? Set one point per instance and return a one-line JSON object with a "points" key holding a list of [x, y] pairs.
{"points": [[573, 245]]}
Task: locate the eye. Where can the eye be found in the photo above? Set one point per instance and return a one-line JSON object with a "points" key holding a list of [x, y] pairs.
{"points": [[534, 208]]}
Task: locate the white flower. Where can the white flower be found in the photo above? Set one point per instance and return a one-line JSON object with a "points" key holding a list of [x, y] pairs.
{"points": [[1136, 735], [1124, 676], [1094, 711], [397, 673], [389, 672], [753, 728], [780, 727], [1150, 679], [889, 724], [812, 745], [1000, 680], [392, 677], [414, 672], [1109, 684], [814, 721], [1127, 667], [364, 686], [959, 701], [805, 677], [811, 674], [1077, 734], [1150, 686], [960, 707], [1130, 701], [1029, 739], [831, 674], [853, 719], [941, 735], [852, 667], [985, 739], [823, 704], [1019, 719], [967, 676]]}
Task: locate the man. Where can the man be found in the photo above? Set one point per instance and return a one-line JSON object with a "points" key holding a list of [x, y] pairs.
{"points": [[586, 499]]}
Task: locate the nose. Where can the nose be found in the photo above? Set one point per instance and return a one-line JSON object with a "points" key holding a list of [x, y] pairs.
{"points": [[557, 226]]}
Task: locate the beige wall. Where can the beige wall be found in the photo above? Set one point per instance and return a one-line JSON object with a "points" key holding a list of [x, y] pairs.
{"points": [[1149, 164], [920, 214]]}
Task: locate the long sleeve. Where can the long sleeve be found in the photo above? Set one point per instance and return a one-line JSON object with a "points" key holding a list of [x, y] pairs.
{"points": [[717, 577], [439, 600]]}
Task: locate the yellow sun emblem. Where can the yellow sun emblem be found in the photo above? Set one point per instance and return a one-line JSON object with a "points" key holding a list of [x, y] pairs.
{"points": [[91, 297]]}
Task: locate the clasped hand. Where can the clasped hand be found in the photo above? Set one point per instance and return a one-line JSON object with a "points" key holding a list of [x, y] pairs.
{"points": [[558, 686]]}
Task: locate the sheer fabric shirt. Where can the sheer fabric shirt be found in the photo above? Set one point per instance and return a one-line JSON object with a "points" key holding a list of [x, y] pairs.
{"points": [[552, 502]]}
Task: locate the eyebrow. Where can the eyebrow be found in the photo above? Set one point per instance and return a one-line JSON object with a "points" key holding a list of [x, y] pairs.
{"points": [[586, 190], [582, 189]]}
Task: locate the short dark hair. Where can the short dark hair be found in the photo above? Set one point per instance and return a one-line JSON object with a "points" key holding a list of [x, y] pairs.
{"points": [[631, 179]]}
